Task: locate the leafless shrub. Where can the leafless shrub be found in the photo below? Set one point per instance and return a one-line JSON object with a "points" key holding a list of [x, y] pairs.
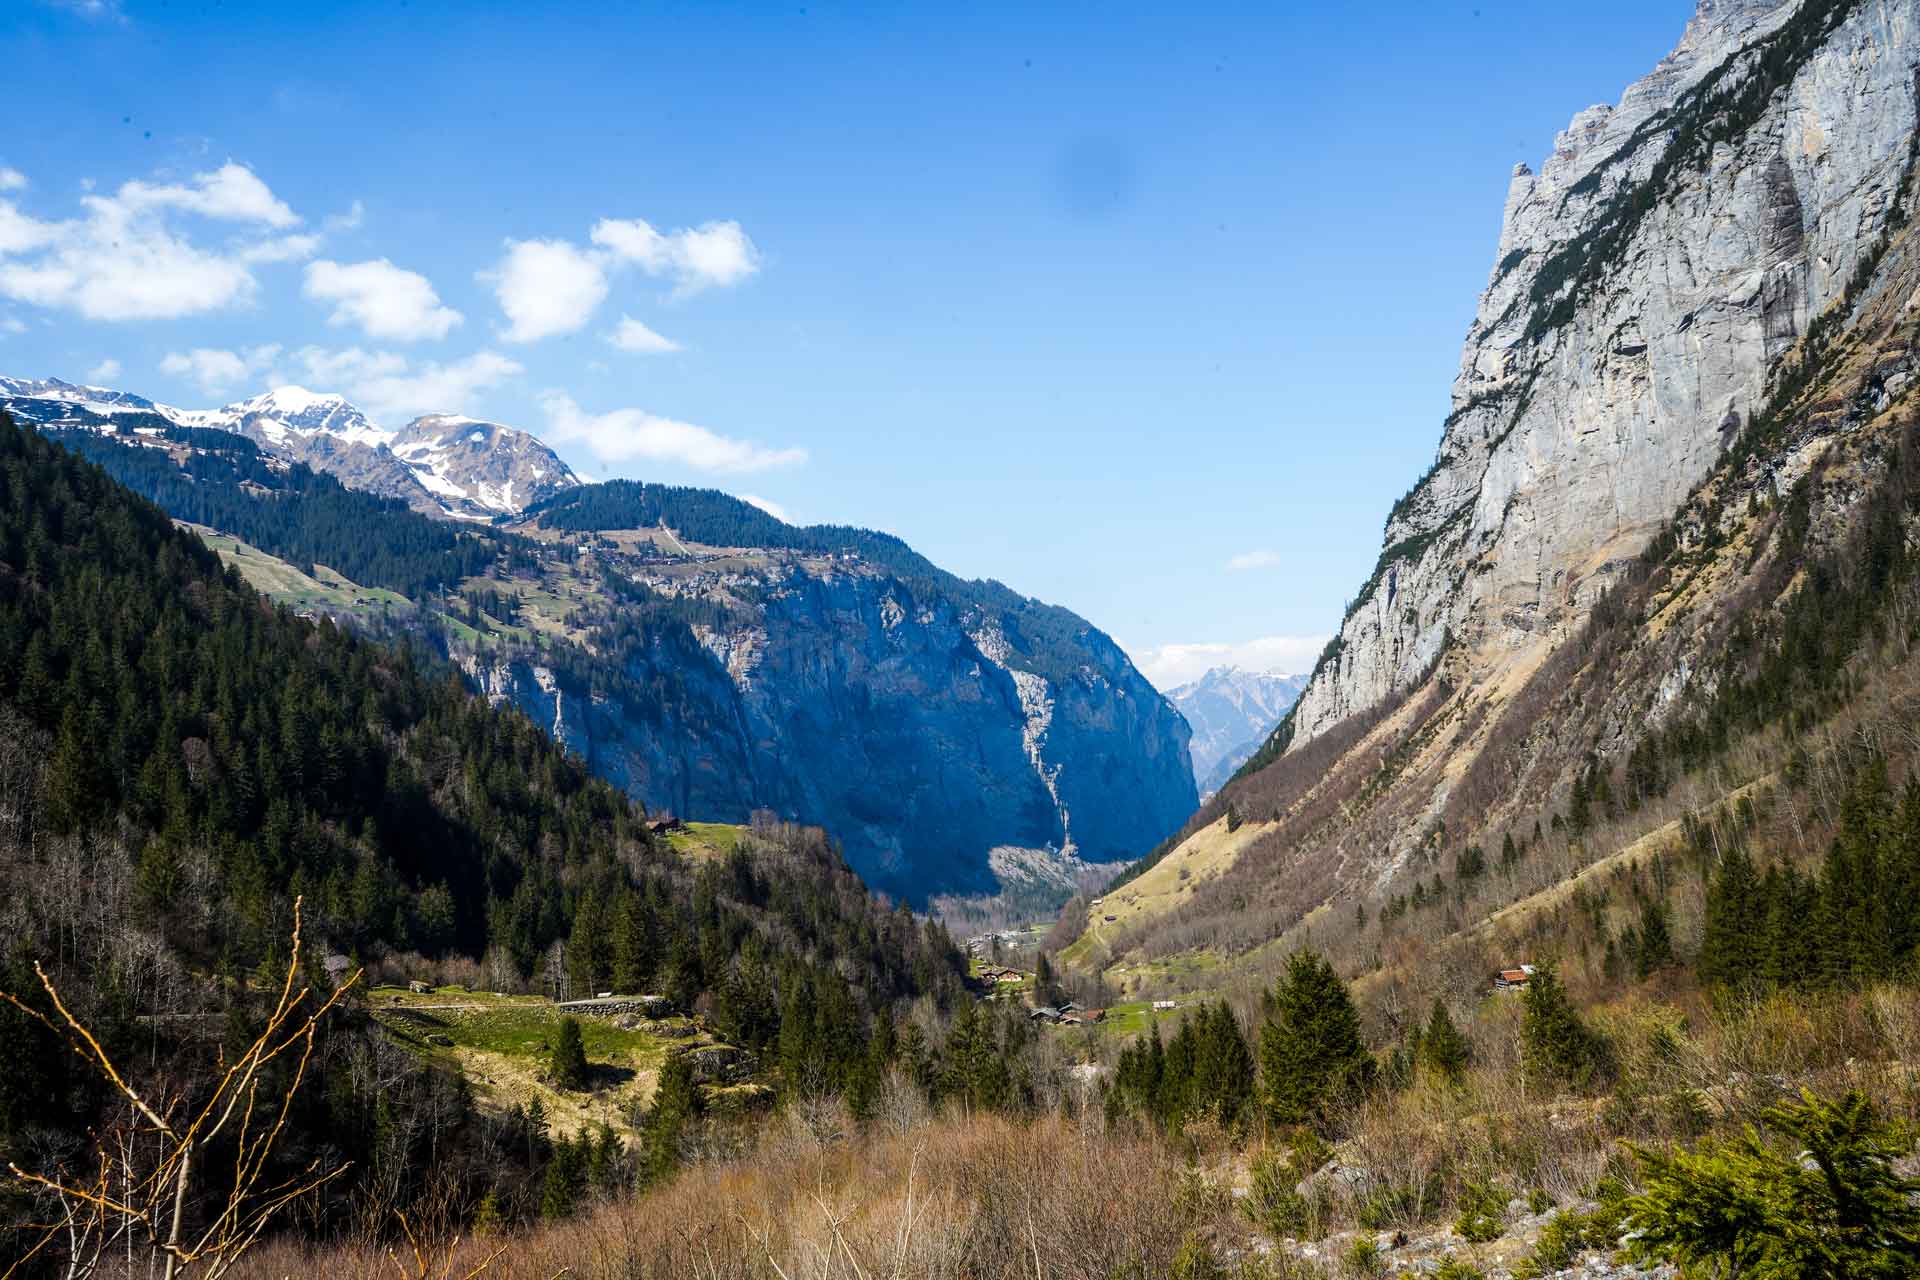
{"points": [[131, 1192]]}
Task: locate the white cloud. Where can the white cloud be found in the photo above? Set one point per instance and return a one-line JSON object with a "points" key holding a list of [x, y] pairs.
{"points": [[231, 193], [92, 10], [125, 258], [1170, 665], [714, 254], [390, 387], [349, 221], [11, 324], [280, 249], [546, 287], [216, 370], [384, 300], [631, 335], [769, 506], [552, 287], [629, 435], [106, 371], [1254, 560], [12, 179]]}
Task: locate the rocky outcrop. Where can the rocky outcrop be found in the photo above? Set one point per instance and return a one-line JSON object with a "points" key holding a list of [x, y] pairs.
{"points": [[480, 468], [911, 728], [1669, 249]]}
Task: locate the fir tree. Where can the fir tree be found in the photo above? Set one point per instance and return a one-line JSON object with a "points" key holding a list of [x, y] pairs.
{"points": [[1443, 1050], [1313, 1061], [675, 1106], [1557, 1047], [1830, 1204], [1653, 942], [1730, 950], [568, 1066]]}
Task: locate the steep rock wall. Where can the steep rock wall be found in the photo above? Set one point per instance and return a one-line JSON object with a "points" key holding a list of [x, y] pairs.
{"points": [[911, 730], [1667, 251]]}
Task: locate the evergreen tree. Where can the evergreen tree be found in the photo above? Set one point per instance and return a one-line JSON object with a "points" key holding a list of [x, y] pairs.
{"points": [[568, 1066], [1443, 1050], [1557, 1047], [1223, 1073], [1829, 1205], [1313, 1061], [675, 1106], [1653, 941], [1730, 950]]}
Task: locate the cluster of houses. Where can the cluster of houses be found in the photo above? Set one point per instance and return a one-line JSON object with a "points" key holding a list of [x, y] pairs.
{"points": [[1000, 973], [1068, 1014]]}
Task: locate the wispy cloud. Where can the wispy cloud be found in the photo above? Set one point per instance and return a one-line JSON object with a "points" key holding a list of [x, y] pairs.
{"points": [[91, 10], [391, 388], [106, 371], [1170, 665], [1248, 560], [216, 370], [634, 435], [12, 179], [631, 335], [712, 255], [769, 506]]}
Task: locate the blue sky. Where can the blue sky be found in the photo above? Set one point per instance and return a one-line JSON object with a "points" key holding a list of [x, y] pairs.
{"points": [[1151, 311]]}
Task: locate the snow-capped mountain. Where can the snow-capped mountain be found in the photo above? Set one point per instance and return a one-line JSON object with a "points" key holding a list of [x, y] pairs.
{"points": [[442, 464], [1232, 712]]}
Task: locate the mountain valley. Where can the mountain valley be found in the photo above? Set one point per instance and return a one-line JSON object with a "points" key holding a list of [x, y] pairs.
{"points": [[706, 657], [422, 858]]}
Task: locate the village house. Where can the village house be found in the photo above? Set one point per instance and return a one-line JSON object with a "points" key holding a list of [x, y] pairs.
{"points": [[1513, 979]]}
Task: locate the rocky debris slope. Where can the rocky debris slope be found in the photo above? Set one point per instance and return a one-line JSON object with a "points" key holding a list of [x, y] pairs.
{"points": [[1667, 252]]}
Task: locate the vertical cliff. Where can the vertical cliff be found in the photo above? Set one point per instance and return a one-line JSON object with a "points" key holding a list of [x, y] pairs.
{"points": [[1666, 253], [918, 730]]}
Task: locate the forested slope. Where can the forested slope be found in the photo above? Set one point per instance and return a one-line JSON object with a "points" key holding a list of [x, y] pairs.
{"points": [[179, 761]]}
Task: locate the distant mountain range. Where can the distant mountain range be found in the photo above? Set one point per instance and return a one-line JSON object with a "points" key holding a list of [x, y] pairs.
{"points": [[1232, 712], [708, 658], [438, 464]]}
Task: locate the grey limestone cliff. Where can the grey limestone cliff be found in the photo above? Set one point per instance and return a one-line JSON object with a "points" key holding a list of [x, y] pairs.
{"points": [[1667, 251]]}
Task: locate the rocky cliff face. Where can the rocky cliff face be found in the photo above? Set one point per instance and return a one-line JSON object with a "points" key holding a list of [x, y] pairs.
{"points": [[909, 727], [1647, 276]]}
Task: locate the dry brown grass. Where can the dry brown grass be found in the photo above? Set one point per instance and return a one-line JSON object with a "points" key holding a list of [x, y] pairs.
{"points": [[975, 1197]]}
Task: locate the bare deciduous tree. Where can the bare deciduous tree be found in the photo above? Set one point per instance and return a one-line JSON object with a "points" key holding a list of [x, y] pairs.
{"points": [[140, 1176]]}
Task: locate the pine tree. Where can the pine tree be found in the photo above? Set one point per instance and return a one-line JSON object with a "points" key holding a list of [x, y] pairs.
{"points": [[1730, 950], [1557, 1047], [568, 1066], [1313, 1061], [1443, 1050], [675, 1106], [1045, 988], [1653, 949], [1223, 1075], [1829, 1203]]}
